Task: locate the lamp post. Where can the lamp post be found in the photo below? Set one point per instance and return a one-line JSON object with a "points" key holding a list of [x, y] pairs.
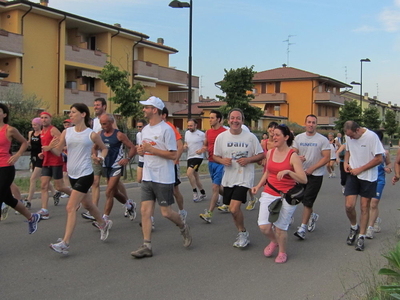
{"points": [[180, 4], [361, 94]]}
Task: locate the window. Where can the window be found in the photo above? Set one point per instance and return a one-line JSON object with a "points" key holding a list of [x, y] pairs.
{"points": [[277, 87], [92, 42], [263, 88], [319, 110]]}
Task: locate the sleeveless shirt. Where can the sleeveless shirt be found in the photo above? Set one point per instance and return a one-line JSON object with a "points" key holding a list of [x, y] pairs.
{"points": [[5, 145], [287, 182], [49, 160], [79, 145], [115, 151], [36, 145]]}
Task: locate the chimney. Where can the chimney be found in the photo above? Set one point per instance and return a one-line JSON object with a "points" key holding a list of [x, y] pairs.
{"points": [[44, 2], [375, 98], [284, 65], [117, 25], [160, 41]]}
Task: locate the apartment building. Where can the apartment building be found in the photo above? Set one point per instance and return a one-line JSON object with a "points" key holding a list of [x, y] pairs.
{"points": [[58, 56]]}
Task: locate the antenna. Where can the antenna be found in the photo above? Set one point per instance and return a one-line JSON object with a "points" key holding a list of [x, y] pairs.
{"points": [[345, 73], [288, 47], [201, 84], [377, 90]]}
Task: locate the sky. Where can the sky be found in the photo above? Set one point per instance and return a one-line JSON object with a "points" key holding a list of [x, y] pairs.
{"points": [[327, 37]]}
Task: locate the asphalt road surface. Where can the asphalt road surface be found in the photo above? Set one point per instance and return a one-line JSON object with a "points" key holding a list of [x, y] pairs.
{"points": [[320, 267]]}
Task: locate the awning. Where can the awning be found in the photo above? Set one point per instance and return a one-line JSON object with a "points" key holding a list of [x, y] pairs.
{"points": [[93, 74]]}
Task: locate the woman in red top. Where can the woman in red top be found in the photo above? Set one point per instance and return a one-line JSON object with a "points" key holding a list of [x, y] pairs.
{"points": [[284, 169], [7, 169]]}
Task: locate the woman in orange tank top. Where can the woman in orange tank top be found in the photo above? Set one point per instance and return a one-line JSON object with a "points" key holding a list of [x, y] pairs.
{"points": [[284, 169], [7, 169]]}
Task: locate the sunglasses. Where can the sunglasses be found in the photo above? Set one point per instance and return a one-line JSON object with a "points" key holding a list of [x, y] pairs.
{"points": [[139, 126]]}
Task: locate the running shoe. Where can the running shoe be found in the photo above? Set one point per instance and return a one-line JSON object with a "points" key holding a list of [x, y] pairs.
{"points": [[206, 216], [300, 233], [88, 216], [143, 251], [104, 230], [219, 201], [187, 238], [60, 247], [4, 211], [223, 208], [242, 240], [44, 214], [370, 233], [32, 223], [202, 197], [64, 195], [360, 244], [352, 235], [183, 215], [195, 197], [333, 175], [252, 204], [377, 225], [56, 198], [311, 223], [27, 203], [343, 190], [132, 211]]}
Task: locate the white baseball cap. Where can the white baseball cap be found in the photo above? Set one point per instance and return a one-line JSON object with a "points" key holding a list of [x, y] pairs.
{"points": [[154, 101]]}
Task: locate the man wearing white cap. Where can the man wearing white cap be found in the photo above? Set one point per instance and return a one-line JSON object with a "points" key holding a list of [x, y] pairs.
{"points": [[159, 150]]}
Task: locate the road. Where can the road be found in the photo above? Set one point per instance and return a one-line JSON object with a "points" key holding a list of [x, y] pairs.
{"points": [[320, 267]]}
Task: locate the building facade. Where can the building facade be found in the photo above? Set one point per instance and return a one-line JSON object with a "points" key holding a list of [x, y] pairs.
{"points": [[58, 56]]}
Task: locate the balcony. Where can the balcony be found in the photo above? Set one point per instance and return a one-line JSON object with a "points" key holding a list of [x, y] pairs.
{"points": [[329, 98], [11, 44], [75, 96], [12, 87], [275, 98], [326, 121], [147, 71], [85, 56]]}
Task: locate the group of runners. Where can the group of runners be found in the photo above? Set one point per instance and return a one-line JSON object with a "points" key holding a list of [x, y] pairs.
{"points": [[232, 153]]}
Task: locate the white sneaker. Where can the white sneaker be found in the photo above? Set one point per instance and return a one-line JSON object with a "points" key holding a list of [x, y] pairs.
{"points": [[195, 197], [242, 240], [370, 233], [183, 215], [377, 225], [219, 201], [311, 223]]}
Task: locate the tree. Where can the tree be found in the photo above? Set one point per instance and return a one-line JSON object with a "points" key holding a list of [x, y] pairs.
{"points": [[236, 85], [349, 111], [125, 95], [371, 118], [390, 123]]}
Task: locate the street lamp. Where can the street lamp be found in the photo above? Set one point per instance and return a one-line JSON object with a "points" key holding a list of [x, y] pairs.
{"points": [[180, 4], [361, 94]]}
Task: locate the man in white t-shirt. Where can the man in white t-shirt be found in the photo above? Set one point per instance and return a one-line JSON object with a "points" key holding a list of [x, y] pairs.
{"points": [[363, 155], [194, 140], [237, 150], [159, 149], [314, 151]]}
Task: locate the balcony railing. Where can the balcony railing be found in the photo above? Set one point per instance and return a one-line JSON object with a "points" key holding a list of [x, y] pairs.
{"points": [[327, 121], [329, 98], [75, 96], [6, 86], [85, 56], [153, 72], [271, 98], [11, 42]]}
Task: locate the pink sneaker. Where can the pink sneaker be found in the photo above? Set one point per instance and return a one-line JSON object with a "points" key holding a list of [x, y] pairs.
{"points": [[281, 258], [269, 250]]}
